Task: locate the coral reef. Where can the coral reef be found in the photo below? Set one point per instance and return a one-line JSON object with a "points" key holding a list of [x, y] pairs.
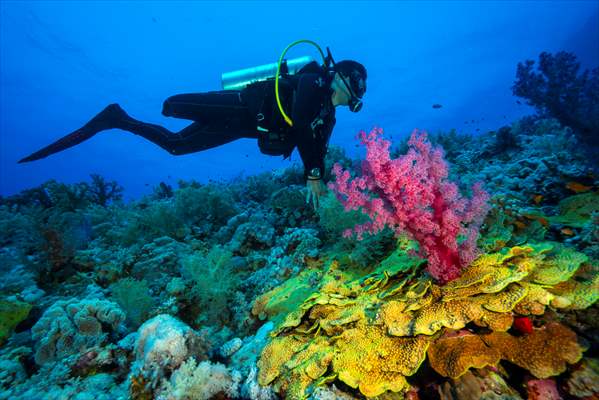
{"points": [[544, 352], [240, 290]]}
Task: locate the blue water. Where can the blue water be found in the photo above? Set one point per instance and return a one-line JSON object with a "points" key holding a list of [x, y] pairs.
{"points": [[62, 62]]}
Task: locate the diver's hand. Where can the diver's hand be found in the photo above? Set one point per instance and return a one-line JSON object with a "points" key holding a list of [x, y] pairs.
{"points": [[316, 189]]}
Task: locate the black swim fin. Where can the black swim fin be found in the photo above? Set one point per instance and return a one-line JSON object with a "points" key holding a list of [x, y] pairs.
{"points": [[106, 119]]}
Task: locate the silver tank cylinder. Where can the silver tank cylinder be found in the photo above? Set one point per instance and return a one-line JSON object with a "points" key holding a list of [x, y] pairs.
{"points": [[237, 80]]}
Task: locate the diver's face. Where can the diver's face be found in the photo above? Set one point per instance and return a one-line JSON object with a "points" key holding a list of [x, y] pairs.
{"points": [[341, 95]]}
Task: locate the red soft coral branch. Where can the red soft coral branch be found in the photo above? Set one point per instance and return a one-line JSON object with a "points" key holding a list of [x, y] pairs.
{"points": [[411, 194]]}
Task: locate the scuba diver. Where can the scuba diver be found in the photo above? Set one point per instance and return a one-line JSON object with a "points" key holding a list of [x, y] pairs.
{"points": [[311, 94]]}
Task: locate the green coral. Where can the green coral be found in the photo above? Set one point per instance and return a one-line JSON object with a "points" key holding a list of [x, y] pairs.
{"points": [[560, 268], [213, 280], [211, 203], [334, 219], [576, 211], [134, 297], [12, 312]]}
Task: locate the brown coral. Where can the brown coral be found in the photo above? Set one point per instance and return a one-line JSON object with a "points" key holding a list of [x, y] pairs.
{"points": [[454, 356], [545, 352]]}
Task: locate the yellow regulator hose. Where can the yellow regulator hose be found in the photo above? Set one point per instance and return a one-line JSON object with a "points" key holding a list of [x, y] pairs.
{"points": [[285, 116]]}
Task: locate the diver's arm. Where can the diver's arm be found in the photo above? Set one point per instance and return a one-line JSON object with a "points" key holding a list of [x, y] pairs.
{"points": [[306, 108]]}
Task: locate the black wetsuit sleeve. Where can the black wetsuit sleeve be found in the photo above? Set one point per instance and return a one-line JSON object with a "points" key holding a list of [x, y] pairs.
{"points": [[306, 107]]}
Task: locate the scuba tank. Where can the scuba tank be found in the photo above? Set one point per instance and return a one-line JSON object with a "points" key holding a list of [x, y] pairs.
{"points": [[254, 82], [237, 80]]}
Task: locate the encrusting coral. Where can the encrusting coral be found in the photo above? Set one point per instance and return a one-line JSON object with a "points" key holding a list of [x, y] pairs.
{"points": [[373, 332], [72, 326]]}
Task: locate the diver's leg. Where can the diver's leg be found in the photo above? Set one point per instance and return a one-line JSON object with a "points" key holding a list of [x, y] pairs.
{"points": [[229, 121], [195, 137], [199, 135], [207, 106], [219, 117]]}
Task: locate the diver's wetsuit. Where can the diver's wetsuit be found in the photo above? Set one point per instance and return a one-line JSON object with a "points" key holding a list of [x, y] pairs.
{"points": [[224, 116]]}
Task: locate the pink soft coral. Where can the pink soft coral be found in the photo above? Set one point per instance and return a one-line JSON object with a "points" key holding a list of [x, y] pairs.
{"points": [[412, 194]]}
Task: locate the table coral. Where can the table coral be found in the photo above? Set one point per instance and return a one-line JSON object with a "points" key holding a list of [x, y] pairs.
{"points": [[454, 356], [544, 352], [368, 358], [371, 332]]}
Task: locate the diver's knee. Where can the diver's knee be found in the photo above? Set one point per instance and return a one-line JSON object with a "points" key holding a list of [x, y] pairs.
{"points": [[167, 109]]}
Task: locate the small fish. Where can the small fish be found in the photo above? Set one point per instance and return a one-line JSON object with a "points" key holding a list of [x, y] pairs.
{"points": [[518, 101], [437, 105], [542, 220], [520, 224], [567, 231], [537, 198], [578, 187]]}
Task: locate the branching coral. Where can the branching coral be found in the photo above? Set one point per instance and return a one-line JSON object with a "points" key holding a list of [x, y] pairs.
{"points": [[102, 192], [411, 194], [559, 90], [134, 297], [212, 293]]}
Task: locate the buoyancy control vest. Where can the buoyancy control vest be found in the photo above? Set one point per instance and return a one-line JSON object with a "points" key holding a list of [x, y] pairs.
{"points": [[275, 136]]}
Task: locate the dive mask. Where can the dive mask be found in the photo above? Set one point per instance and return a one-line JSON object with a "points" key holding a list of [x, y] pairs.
{"points": [[356, 88]]}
